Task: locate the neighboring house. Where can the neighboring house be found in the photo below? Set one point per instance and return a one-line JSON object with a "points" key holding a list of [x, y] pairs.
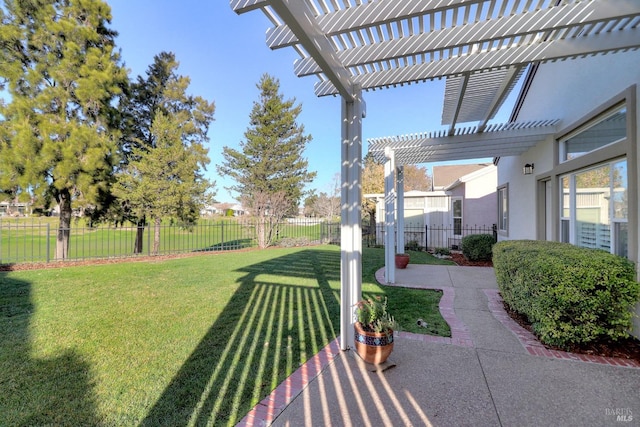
{"points": [[221, 209], [14, 208], [463, 197], [584, 188]]}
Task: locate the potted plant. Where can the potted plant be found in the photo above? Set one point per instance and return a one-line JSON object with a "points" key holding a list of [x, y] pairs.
{"points": [[374, 330], [402, 260]]}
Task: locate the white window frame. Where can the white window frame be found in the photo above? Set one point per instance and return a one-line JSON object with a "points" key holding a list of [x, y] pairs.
{"points": [[454, 217], [604, 155], [503, 206]]}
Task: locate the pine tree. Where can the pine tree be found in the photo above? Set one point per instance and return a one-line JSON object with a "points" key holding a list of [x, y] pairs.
{"points": [[270, 171], [61, 72], [165, 153]]}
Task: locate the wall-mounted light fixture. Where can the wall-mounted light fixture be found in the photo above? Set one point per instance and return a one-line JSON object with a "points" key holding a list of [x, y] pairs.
{"points": [[527, 169]]}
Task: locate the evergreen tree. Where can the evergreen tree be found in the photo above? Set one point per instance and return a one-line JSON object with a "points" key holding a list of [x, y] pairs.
{"points": [[61, 75], [270, 171], [164, 152]]}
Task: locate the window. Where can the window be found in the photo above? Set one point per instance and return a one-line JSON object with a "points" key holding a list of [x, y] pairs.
{"points": [[592, 172], [594, 207], [606, 130], [503, 209], [413, 202], [594, 190], [456, 207]]}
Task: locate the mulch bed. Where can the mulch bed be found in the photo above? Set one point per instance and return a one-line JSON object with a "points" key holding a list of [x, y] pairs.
{"points": [[460, 259], [628, 348]]}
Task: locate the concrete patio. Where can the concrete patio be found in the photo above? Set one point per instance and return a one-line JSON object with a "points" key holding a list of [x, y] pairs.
{"points": [[491, 372]]}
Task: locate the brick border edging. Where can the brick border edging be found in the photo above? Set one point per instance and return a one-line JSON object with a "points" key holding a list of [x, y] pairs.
{"points": [[268, 409], [535, 348], [460, 334]]}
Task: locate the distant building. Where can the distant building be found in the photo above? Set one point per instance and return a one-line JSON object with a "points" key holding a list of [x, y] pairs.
{"points": [[222, 208], [463, 196], [14, 208]]}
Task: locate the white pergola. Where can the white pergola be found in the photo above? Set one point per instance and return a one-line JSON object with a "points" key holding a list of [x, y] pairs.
{"points": [[480, 47]]}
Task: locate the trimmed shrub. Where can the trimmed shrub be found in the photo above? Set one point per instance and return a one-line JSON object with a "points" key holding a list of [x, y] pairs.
{"points": [[442, 251], [477, 247], [570, 295], [412, 245]]}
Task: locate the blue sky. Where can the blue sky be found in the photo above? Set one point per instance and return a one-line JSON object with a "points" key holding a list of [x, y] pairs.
{"points": [[225, 54]]}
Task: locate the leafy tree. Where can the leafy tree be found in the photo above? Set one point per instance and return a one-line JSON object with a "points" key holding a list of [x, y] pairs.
{"points": [[328, 205], [372, 183], [309, 205], [165, 153], [269, 171], [416, 178], [372, 175], [61, 76]]}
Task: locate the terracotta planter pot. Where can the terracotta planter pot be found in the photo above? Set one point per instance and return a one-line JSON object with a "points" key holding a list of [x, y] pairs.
{"points": [[402, 260], [373, 347]]}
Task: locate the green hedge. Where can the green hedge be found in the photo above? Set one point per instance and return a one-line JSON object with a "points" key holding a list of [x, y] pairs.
{"points": [[477, 247], [570, 295]]}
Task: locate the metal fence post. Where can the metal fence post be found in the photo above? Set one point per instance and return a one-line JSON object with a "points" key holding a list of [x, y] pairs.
{"points": [[222, 234], [48, 243], [426, 237]]}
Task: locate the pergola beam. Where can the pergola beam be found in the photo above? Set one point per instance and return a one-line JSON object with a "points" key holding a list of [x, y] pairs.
{"points": [[551, 50], [301, 20], [244, 6], [496, 141]]}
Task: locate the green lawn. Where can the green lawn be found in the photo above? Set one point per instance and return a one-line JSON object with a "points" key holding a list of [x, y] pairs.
{"points": [[191, 341]]}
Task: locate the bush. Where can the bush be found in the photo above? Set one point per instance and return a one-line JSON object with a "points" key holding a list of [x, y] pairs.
{"points": [[570, 295], [477, 247], [412, 245], [442, 251]]}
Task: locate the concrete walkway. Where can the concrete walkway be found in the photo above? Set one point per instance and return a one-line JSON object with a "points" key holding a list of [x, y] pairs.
{"points": [[491, 372]]}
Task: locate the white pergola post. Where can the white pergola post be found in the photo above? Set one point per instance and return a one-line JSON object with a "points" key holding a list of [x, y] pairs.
{"points": [[389, 218], [351, 230], [400, 209]]}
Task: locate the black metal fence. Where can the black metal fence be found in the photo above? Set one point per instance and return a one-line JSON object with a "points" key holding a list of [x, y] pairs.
{"points": [[34, 240], [419, 237]]}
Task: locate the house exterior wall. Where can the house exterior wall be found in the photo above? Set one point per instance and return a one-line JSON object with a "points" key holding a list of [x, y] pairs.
{"points": [[574, 91], [480, 204], [559, 91]]}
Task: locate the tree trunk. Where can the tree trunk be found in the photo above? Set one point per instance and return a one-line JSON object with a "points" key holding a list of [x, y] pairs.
{"points": [[261, 232], [64, 225], [139, 243], [156, 235]]}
